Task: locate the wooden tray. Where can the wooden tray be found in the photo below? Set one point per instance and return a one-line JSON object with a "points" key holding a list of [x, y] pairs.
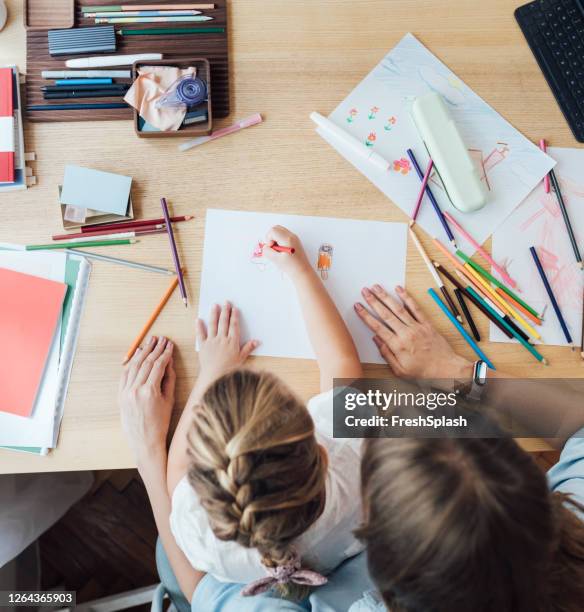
{"points": [[212, 46], [49, 14]]}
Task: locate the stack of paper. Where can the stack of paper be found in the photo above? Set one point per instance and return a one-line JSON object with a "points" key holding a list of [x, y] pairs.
{"points": [[13, 173], [39, 322], [90, 197]]}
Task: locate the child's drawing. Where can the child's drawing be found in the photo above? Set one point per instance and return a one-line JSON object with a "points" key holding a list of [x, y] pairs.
{"points": [[511, 165], [352, 115], [325, 260], [538, 222], [370, 142], [402, 165]]}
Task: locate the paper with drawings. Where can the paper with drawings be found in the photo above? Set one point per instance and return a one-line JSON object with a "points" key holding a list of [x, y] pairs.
{"points": [[377, 113], [538, 222], [363, 253], [36, 430]]}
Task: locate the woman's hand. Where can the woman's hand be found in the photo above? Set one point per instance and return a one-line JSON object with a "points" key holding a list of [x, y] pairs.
{"points": [[146, 397], [407, 340], [292, 264], [220, 349]]}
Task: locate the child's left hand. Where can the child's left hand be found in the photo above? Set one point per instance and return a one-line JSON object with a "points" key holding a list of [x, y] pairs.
{"points": [[220, 349]]}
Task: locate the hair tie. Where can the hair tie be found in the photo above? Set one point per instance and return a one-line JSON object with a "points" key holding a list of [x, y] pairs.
{"points": [[284, 574]]}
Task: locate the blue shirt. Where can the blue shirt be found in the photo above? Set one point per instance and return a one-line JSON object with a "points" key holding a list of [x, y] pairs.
{"points": [[349, 588]]}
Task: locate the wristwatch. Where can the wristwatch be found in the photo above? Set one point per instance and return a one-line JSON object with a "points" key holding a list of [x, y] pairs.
{"points": [[473, 390]]}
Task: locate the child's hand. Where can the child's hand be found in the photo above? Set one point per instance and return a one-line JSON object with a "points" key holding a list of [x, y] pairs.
{"points": [[220, 349], [293, 264]]}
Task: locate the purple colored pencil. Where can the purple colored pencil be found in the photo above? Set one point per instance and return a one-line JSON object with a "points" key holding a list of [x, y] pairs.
{"points": [[432, 198], [422, 190], [179, 272]]}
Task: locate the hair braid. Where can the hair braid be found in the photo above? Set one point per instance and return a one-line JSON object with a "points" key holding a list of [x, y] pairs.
{"points": [[255, 464]]}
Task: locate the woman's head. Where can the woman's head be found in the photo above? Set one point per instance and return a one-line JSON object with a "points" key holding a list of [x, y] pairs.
{"points": [[468, 524], [255, 464]]}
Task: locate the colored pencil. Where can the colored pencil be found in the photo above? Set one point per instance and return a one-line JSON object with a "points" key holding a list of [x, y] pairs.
{"points": [[473, 328], [503, 305], [546, 178], [433, 200], [550, 293], [517, 305], [122, 262], [422, 190], [464, 290], [528, 346], [152, 319], [83, 82], [86, 74], [174, 250], [130, 20], [69, 87], [240, 125], [500, 270], [564, 210], [435, 275], [90, 229], [145, 7], [494, 306], [66, 245], [61, 107], [498, 283], [168, 31], [67, 95], [119, 236], [282, 249], [475, 347], [108, 232], [183, 13]]}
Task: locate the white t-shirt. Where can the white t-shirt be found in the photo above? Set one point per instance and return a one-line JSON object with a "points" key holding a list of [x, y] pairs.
{"points": [[327, 542]]}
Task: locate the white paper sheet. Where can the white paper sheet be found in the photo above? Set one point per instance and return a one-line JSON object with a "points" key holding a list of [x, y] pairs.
{"points": [[377, 112], [538, 222], [36, 430], [365, 252]]}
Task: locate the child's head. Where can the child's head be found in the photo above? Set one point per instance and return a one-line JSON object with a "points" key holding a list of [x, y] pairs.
{"points": [[468, 524], [255, 464]]}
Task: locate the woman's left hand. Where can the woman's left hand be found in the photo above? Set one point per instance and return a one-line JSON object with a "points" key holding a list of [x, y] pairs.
{"points": [[146, 397]]}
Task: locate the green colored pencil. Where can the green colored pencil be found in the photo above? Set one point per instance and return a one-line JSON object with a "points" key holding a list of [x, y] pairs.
{"points": [[75, 245], [496, 282], [169, 31], [502, 321]]}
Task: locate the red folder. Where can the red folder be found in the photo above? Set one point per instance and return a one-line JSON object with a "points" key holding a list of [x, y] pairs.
{"points": [[6, 111], [29, 313]]}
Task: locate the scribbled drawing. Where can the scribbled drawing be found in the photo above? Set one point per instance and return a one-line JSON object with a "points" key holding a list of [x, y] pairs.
{"points": [[325, 260], [477, 156], [495, 157], [257, 258], [565, 278], [370, 141], [402, 165], [449, 87], [373, 112], [352, 115], [549, 206], [390, 123]]}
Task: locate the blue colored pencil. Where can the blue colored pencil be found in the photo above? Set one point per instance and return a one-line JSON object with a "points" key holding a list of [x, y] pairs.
{"points": [[502, 321], [65, 82], [551, 295], [473, 345], [431, 197], [54, 107]]}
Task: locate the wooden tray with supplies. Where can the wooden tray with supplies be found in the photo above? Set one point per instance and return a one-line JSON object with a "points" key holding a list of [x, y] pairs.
{"points": [[213, 47]]}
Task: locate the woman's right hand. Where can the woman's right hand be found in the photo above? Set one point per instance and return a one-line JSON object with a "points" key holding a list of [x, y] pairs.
{"points": [[292, 264]]}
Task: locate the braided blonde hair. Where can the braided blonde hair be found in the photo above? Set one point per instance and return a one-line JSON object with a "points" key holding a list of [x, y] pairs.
{"points": [[255, 464]]}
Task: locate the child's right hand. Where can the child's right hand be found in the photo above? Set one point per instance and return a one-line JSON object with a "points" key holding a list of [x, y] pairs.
{"points": [[293, 264]]}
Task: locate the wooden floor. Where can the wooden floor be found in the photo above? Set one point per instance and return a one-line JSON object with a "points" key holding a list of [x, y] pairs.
{"points": [[105, 544]]}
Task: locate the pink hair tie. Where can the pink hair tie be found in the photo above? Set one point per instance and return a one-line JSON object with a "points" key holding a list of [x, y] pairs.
{"points": [[284, 574]]}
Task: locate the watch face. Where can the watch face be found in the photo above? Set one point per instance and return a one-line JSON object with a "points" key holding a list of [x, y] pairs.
{"points": [[481, 371]]}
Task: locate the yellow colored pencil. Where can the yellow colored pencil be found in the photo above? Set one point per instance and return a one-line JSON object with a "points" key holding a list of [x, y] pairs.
{"points": [[505, 307]]}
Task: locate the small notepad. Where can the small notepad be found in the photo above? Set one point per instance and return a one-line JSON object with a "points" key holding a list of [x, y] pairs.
{"points": [[96, 190], [30, 311]]}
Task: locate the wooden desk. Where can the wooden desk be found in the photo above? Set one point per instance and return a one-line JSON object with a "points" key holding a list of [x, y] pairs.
{"points": [[287, 59]]}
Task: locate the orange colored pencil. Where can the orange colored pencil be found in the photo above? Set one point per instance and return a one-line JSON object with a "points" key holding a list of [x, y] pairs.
{"points": [[173, 285], [517, 305]]}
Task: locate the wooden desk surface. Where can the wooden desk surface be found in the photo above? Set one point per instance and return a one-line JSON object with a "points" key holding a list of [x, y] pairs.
{"points": [[287, 59]]}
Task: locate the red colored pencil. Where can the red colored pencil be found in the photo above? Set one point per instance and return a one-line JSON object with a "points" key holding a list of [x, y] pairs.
{"points": [[283, 249], [107, 231], [131, 225]]}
